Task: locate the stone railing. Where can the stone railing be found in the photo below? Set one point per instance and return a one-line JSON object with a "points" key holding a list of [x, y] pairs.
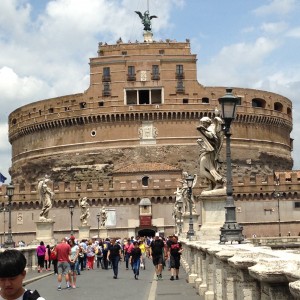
{"points": [[30, 254], [241, 271]]}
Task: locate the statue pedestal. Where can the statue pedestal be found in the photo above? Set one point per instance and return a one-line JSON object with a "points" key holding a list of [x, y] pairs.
{"points": [[186, 223], [84, 232], [103, 233], [213, 214], [148, 36], [44, 232]]}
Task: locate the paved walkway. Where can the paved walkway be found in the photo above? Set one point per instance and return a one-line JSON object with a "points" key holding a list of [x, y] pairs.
{"points": [[99, 284]]}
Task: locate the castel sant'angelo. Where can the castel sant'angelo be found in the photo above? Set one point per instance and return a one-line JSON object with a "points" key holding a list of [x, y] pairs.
{"points": [[125, 141]]}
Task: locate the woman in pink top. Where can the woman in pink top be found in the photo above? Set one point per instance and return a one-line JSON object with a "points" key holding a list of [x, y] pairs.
{"points": [[40, 252]]}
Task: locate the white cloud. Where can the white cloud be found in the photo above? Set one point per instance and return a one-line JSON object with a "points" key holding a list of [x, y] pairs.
{"points": [[276, 7], [274, 28], [295, 32], [232, 61]]}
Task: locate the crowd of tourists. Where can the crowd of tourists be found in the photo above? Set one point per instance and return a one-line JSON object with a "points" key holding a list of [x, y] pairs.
{"points": [[70, 257]]}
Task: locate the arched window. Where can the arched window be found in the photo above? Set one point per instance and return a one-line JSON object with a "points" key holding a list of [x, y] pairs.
{"points": [[145, 181], [257, 102], [278, 106]]}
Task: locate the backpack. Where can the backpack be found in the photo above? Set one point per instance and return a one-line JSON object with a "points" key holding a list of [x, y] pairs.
{"points": [[31, 295]]}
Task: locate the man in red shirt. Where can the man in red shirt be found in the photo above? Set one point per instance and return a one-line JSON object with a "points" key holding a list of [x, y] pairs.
{"points": [[63, 250]]}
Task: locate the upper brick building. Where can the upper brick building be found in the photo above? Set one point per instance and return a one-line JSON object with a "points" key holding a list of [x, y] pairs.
{"points": [[140, 114]]}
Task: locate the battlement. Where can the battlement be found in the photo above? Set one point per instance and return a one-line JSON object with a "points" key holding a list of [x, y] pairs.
{"points": [[112, 188]]}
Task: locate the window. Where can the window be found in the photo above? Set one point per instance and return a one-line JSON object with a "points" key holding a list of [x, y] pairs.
{"points": [[185, 101], [106, 74], [180, 87], [161, 52], [131, 70], [278, 106], [101, 103], [106, 89], [205, 100], [131, 73], [145, 181], [124, 52], [143, 96], [155, 72], [297, 204], [179, 72], [82, 105], [51, 110], [257, 102]]}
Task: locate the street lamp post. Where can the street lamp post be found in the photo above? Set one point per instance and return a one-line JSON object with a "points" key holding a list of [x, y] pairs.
{"points": [[180, 206], [278, 195], [231, 230], [9, 243], [3, 209], [190, 179], [71, 208], [98, 220]]}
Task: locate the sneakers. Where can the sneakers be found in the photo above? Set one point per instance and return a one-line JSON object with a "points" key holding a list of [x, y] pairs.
{"points": [[59, 288], [74, 286], [172, 278], [177, 277], [68, 287], [160, 277]]}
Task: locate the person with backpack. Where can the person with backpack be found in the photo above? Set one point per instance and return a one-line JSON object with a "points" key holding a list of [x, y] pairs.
{"points": [[106, 245], [157, 248], [114, 255], [135, 259], [175, 250], [12, 274]]}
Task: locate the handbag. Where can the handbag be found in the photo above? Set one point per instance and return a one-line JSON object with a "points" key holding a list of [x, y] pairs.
{"points": [[53, 255]]}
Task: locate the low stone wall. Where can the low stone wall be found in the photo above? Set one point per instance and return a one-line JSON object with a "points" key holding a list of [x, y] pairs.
{"points": [[241, 271], [30, 254]]}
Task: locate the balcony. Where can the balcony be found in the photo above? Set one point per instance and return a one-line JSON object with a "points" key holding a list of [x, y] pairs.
{"points": [[179, 75], [105, 78], [155, 77], [131, 77], [106, 93]]}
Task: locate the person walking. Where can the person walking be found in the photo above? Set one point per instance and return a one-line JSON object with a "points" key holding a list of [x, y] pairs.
{"points": [[41, 252], [128, 246], [90, 255], [114, 255], [53, 257], [63, 250], [47, 258], [143, 246], [157, 248], [106, 245], [175, 249], [135, 259], [73, 258]]}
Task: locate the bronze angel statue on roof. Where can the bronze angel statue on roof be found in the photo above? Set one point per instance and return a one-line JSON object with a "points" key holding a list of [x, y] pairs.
{"points": [[146, 19]]}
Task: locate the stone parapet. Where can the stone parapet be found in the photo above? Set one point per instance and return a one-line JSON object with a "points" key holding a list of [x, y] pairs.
{"points": [[241, 271]]}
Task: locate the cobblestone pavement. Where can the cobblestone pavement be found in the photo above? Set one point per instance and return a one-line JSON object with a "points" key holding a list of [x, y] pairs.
{"points": [[99, 284]]}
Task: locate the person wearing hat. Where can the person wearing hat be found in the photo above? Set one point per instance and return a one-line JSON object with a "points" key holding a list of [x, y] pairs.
{"points": [[12, 274], [157, 248]]}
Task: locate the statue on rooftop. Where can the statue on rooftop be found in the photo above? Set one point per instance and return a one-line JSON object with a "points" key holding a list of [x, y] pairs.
{"points": [[46, 196], [146, 19]]}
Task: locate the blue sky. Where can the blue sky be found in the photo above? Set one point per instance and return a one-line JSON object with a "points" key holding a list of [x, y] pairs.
{"points": [[45, 46]]}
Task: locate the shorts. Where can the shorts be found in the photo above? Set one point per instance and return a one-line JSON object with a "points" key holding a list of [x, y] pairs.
{"points": [[63, 267], [174, 262], [157, 260]]}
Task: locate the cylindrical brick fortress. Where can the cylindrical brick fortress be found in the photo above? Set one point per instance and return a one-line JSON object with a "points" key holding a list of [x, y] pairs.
{"points": [[143, 105]]}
